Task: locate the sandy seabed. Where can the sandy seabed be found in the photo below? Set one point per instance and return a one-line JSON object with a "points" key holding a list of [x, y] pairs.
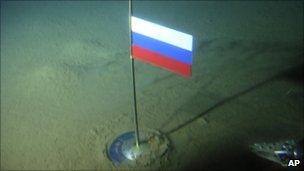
{"points": [[66, 82]]}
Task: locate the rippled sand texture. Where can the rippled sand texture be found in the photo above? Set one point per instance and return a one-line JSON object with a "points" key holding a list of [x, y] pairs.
{"points": [[66, 82]]}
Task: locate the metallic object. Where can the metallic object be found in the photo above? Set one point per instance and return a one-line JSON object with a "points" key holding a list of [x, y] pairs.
{"points": [[123, 148], [279, 152], [133, 79], [125, 154]]}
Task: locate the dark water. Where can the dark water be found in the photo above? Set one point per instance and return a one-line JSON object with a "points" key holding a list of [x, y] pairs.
{"points": [[66, 82]]}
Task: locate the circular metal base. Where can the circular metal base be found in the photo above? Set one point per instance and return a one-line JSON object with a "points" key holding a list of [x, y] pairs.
{"points": [[120, 149], [152, 148]]}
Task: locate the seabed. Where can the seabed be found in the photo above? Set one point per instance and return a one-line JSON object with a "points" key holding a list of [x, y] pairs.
{"points": [[152, 151]]}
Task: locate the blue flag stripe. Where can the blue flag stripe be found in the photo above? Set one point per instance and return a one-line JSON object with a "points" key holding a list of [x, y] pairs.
{"points": [[163, 48]]}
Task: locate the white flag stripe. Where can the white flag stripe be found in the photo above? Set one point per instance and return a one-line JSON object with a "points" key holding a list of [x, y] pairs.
{"points": [[162, 33]]}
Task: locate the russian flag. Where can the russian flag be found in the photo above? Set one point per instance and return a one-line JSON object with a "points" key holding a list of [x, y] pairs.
{"points": [[161, 46]]}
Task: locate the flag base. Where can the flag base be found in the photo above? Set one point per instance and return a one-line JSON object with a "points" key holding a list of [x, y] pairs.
{"points": [[151, 152]]}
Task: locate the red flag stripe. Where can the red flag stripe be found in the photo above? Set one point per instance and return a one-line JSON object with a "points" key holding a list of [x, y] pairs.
{"points": [[162, 61]]}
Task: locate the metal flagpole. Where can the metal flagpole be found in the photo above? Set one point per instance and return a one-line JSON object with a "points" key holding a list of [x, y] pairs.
{"points": [[133, 78], [122, 149]]}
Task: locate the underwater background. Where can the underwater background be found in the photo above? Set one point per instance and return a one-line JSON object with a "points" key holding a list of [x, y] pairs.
{"points": [[66, 87]]}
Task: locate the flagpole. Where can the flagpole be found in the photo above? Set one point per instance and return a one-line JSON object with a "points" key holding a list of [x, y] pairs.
{"points": [[133, 78]]}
